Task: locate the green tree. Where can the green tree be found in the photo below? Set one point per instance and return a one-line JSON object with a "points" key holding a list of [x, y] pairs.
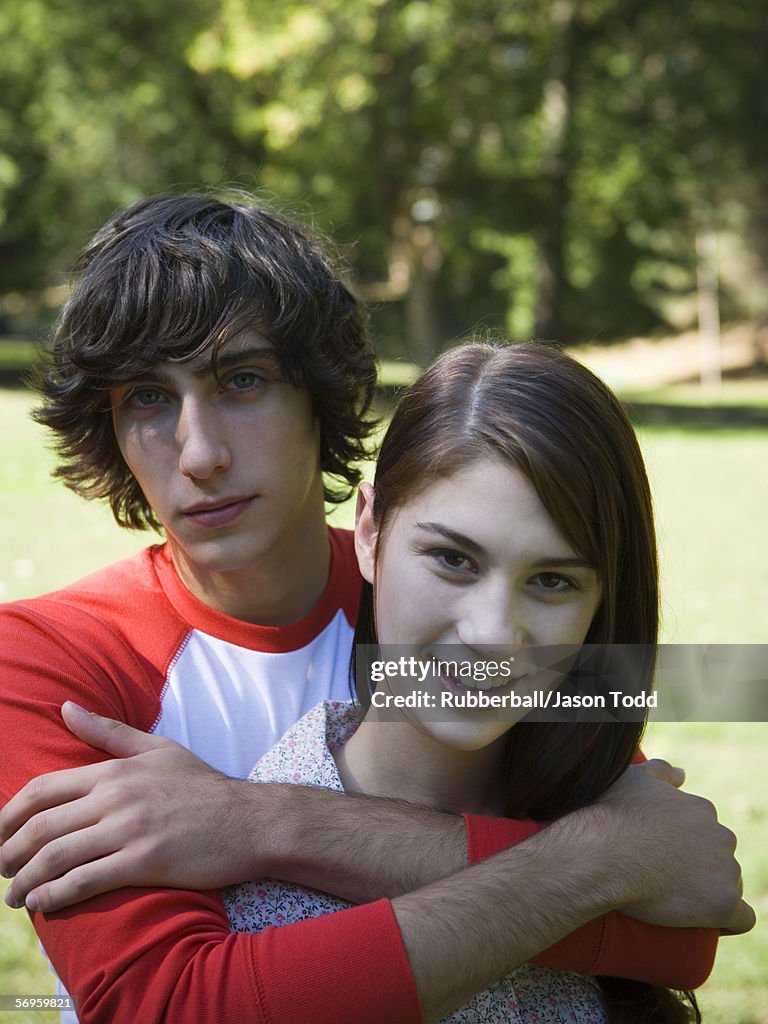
{"points": [[539, 166]]}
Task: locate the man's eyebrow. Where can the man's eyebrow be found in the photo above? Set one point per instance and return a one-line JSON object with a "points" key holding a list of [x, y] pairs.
{"points": [[203, 367], [228, 357]]}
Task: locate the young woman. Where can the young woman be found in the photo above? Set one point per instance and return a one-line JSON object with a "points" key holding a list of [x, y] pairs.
{"points": [[510, 515]]}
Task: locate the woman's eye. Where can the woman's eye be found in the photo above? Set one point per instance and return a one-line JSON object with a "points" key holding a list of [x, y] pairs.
{"points": [[553, 581], [454, 560]]}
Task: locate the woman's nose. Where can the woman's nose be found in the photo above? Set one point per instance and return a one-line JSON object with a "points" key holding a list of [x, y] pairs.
{"points": [[493, 622]]}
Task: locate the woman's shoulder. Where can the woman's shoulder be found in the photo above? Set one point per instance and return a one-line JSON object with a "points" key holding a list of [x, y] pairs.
{"points": [[303, 756]]}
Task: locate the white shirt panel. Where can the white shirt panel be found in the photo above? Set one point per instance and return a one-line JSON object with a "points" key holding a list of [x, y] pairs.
{"points": [[229, 705]]}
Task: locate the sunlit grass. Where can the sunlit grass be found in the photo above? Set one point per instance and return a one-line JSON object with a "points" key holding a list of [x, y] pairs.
{"points": [[48, 536], [711, 492], [729, 764], [17, 353], [733, 392]]}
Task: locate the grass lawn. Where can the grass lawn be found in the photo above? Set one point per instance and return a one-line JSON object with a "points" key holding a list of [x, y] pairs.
{"points": [[711, 494], [729, 763], [16, 353], [711, 489]]}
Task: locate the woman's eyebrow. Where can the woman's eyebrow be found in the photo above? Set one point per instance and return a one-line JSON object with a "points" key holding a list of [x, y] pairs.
{"points": [[460, 539], [568, 562]]}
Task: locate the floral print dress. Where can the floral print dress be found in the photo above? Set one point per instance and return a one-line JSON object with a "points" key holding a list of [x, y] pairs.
{"points": [[529, 995]]}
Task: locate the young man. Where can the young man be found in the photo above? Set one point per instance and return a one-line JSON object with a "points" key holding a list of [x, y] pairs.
{"points": [[209, 368]]}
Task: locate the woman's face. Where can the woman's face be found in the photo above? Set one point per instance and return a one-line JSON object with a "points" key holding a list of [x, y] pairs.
{"points": [[473, 570]]}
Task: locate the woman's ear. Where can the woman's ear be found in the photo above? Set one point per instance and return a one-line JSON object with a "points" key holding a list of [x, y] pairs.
{"points": [[365, 532]]}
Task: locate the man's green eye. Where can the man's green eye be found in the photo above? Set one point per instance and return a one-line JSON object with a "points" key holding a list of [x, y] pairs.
{"points": [[146, 397], [244, 379]]}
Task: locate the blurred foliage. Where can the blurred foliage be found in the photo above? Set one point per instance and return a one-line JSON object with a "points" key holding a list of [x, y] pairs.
{"points": [[542, 166]]}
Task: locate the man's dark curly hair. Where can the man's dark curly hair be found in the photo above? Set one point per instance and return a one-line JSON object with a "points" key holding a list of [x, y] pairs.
{"points": [[171, 276]]}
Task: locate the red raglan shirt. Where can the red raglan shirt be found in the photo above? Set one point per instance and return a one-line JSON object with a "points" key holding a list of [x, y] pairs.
{"points": [[131, 643]]}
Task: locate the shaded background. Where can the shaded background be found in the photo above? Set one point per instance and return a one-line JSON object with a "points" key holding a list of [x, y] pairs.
{"points": [[589, 171], [564, 168]]}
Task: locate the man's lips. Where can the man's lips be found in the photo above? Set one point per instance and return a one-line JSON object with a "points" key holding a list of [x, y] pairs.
{"points": [[217, 513]]}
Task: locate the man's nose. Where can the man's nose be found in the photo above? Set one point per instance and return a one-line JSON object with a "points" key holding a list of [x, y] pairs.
{"points": [[201, 439]]}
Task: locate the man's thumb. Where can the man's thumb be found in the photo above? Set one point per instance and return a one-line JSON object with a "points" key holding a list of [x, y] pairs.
{"points": [[115, 737], [664, 771]]}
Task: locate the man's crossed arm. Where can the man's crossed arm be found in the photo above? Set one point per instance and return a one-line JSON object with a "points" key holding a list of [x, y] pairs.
{"points": [[162, 817]]}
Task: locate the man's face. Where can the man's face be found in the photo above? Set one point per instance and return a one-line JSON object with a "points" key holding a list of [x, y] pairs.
{"points": [[229, 465]]}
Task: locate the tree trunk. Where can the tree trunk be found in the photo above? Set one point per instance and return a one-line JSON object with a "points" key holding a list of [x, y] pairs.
{"points": [[422, 330], [556, 112], [710, 354]]}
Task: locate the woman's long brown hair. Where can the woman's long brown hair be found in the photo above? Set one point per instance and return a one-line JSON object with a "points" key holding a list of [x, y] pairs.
{"points": [[542, 412]]}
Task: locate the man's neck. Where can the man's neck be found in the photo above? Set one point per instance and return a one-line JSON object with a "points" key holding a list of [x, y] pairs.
{"points": [[282, 588]]}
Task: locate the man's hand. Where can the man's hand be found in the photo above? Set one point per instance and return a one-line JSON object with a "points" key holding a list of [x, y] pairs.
{"points": [[677, 856], [159, 816]]}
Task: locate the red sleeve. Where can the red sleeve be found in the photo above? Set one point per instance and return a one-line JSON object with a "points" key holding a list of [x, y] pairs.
{"points": [[621, 946], [155, 955], [168, 955], [614, 944]]}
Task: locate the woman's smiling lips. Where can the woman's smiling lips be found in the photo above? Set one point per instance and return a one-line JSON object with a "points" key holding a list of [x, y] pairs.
{"points": [[451, 685], [460, 686], [220, 513]]}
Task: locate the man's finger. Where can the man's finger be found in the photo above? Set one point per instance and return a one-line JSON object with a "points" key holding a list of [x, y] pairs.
{"points": [[82, 883], [108, 734], [744, 920], [47, 791], [56, 859], [43, 828], [665, 772]]}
